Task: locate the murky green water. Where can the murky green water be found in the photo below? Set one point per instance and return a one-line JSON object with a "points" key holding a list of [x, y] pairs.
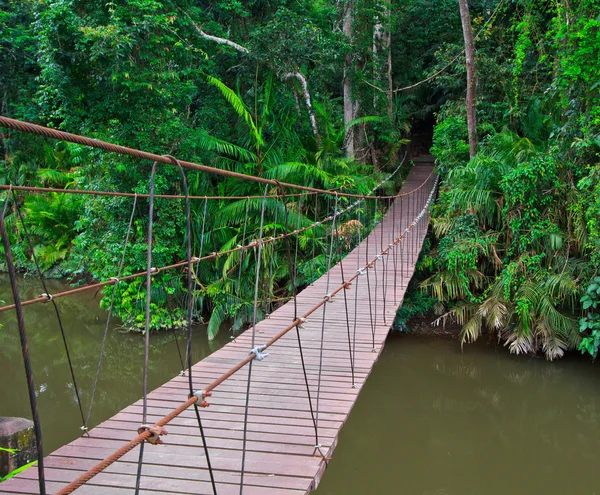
{"points": [[433, 421], [430, 421], [121, 374]]}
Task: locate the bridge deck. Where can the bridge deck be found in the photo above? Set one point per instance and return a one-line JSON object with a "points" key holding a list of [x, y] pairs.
{"points": [[280, 449]]}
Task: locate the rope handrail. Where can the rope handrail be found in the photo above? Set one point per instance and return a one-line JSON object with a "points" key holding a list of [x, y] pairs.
{"points": [[113, 280], [39, 130], [141, 437]]}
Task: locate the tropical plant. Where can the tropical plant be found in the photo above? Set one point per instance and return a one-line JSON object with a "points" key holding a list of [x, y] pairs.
{"points": [[505, 260], [589, 325]]}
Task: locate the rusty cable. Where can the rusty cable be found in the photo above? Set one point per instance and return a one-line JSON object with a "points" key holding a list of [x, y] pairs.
{"points": [[84, 426], [375, 273], [338, 249], [395, 251], [27, 127], [369, 291], [93, 192], [292, 269], [190, 309], [326, 298], [359, 228], [239, 281], [25, 351], [109, 312], [253, 352], [138, 477]]}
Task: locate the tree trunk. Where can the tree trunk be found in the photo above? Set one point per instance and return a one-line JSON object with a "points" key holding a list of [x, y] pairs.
{"points": [[390, 88], [382, 58], [347, 85], [471, 99]]}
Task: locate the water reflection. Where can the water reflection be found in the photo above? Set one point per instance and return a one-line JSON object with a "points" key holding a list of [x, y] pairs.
{"points": [[120, 378], [432, 420]]}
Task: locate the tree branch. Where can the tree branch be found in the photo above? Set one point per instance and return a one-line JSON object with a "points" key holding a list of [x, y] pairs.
{"points": [[307, 100], [222, 41], [216, 39]]}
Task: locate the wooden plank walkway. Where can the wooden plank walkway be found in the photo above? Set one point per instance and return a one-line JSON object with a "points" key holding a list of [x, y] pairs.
{"points": [[281, 442]]}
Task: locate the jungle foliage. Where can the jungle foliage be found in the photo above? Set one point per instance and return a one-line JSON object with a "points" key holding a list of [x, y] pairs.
{"points": [[517, 226], [225, 83]]}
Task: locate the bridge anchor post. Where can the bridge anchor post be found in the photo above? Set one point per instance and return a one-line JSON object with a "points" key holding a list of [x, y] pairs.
{"points": [[17, 442]]}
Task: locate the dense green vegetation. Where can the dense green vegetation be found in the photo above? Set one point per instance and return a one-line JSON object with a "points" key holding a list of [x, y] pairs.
{"points": [[519, 243], [306, 92]]}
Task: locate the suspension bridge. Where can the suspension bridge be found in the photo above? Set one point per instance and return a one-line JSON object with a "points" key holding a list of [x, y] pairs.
{"points": [[262, 414]]}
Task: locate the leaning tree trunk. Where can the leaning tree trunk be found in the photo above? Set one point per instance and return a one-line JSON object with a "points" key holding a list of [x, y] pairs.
{"points": [[471, 100], [347, 85]]}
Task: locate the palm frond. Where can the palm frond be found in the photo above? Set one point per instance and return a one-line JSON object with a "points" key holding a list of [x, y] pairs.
{"points": [[217, 318], [207, 142], [237, 104]]}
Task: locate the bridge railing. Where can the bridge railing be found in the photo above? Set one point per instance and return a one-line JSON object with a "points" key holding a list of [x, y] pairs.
{"points": [[423, 195]]}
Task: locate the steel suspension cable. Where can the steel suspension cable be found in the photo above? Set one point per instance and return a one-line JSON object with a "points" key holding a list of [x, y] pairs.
{"points": [[369, 290], [409, 237], [242, 253], [383, 274], [375, 270], [387, 261], [395, 254], [179, 355], [358, 271], [414, 233], [201, 250], [12, 274], [292, 269], [56, 311], [38, 130], [119, 194], [346, 287], [401, 244], [314, 243], [94, 192], [190, 310], [254, 318], [327, 298], [149, 272], [271, 284], [110, 309], [295, 289]]}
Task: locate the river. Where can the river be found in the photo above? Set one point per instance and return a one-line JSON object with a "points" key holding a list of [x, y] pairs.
{"points": [[434, 421], [431, 420]]}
